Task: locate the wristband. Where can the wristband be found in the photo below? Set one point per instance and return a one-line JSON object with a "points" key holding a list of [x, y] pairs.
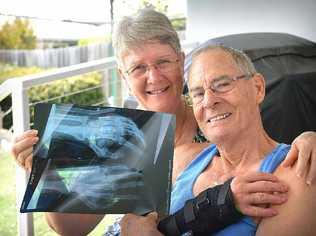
{"points": [[212, 210]]}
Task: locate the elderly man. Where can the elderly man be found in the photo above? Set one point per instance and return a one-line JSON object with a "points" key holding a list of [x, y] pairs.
{"points": [[226, 92]]}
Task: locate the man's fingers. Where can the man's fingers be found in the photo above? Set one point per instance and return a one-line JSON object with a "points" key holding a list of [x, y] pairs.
{"points": [[256, 211], [258, 176], [291, 157], [266, 198], [255, 182], [265, 186]]}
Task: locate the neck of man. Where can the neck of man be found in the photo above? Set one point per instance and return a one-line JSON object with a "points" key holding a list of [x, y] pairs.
{"points": [[246, 151]]}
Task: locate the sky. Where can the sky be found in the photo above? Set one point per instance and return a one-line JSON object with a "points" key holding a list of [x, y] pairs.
{"points": [[79, 10]]}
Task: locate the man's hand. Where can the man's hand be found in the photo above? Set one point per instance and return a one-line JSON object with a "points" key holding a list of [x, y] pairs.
{"points": [[22, 148], [303, 150], [132, 225], [255, 191]]}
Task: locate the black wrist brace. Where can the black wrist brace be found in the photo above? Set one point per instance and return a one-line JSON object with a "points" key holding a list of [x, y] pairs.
{"points": [[212, 210]]}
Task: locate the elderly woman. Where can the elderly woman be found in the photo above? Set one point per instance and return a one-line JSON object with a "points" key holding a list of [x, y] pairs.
{"points": [[226, 92], [150, 61]]}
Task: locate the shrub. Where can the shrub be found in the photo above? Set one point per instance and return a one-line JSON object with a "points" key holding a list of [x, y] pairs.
{"points": [[9, 71], [95, 40], [70, 85]]}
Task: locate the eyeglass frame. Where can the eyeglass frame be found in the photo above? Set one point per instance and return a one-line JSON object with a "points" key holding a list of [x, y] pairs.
{"points": [[233, 79], [147, 66]]}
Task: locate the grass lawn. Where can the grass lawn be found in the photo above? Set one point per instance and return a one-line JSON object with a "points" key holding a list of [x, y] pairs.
{"points": [[8, 223]]}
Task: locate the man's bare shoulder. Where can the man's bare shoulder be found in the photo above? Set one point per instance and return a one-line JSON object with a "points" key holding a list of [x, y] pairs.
{"points": [[297, 215]]}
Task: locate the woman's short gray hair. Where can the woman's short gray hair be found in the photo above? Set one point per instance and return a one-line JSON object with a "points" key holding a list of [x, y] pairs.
{"points": [[242, 61], [145, 27]]}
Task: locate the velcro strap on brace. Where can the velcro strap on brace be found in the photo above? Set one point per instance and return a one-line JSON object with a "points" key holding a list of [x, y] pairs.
{"points": [[211, 211]]}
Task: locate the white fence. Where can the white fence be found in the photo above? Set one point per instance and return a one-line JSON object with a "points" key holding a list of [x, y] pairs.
{"points": [[55, 58]]}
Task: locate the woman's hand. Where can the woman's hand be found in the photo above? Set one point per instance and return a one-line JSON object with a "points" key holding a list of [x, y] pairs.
{"points": [[254, 192], [303, 150], [22, 148], [140, 225]]}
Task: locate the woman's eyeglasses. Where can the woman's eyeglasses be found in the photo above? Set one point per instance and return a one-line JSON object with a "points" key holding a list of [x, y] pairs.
{"points": [[162, 65]]}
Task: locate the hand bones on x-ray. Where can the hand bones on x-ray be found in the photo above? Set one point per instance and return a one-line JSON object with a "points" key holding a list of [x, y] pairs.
{"points": [[109, 135]]}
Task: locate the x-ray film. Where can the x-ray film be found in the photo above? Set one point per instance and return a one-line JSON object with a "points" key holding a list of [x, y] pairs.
{"points": [[100, 160]]}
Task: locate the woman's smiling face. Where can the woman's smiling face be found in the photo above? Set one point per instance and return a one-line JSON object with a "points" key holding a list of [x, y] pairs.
{"points": [[160, 87]]}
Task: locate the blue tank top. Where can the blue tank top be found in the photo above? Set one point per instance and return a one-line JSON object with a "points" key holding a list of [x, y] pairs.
{"points": [[183, 187]]}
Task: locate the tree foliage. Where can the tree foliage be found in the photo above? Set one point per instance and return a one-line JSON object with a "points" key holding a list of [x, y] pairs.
{"points": [[17, 35], [159, 5], [94, 40], [162, 6]]}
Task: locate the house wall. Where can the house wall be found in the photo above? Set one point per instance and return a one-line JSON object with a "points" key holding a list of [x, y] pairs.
{"points": [[212, 18]]}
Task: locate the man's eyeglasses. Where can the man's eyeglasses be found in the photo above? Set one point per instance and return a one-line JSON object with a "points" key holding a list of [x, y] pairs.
{"points": [[220, 85], [162, 65]]}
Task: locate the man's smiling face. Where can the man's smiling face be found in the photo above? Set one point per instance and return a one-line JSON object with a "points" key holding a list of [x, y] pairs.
{"points": [[220, 115]]}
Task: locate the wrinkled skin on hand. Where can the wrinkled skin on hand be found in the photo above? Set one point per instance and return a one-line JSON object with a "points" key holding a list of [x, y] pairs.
{"points": [[254, 192]]}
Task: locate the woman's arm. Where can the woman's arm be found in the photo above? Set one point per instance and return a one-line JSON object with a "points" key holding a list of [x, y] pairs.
{"points": [[297, 215], [72, 224]]}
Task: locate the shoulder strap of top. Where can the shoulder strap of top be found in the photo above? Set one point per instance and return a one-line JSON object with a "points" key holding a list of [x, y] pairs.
{"points": [[274, 159]]}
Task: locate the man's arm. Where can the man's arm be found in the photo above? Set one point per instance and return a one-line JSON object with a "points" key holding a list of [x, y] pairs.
{"points": [[297, 215], [72, 224]]}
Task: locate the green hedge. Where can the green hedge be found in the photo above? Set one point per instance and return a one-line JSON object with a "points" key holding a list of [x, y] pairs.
{"points": [[9, 71], [70, 85], [54, 89]]}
